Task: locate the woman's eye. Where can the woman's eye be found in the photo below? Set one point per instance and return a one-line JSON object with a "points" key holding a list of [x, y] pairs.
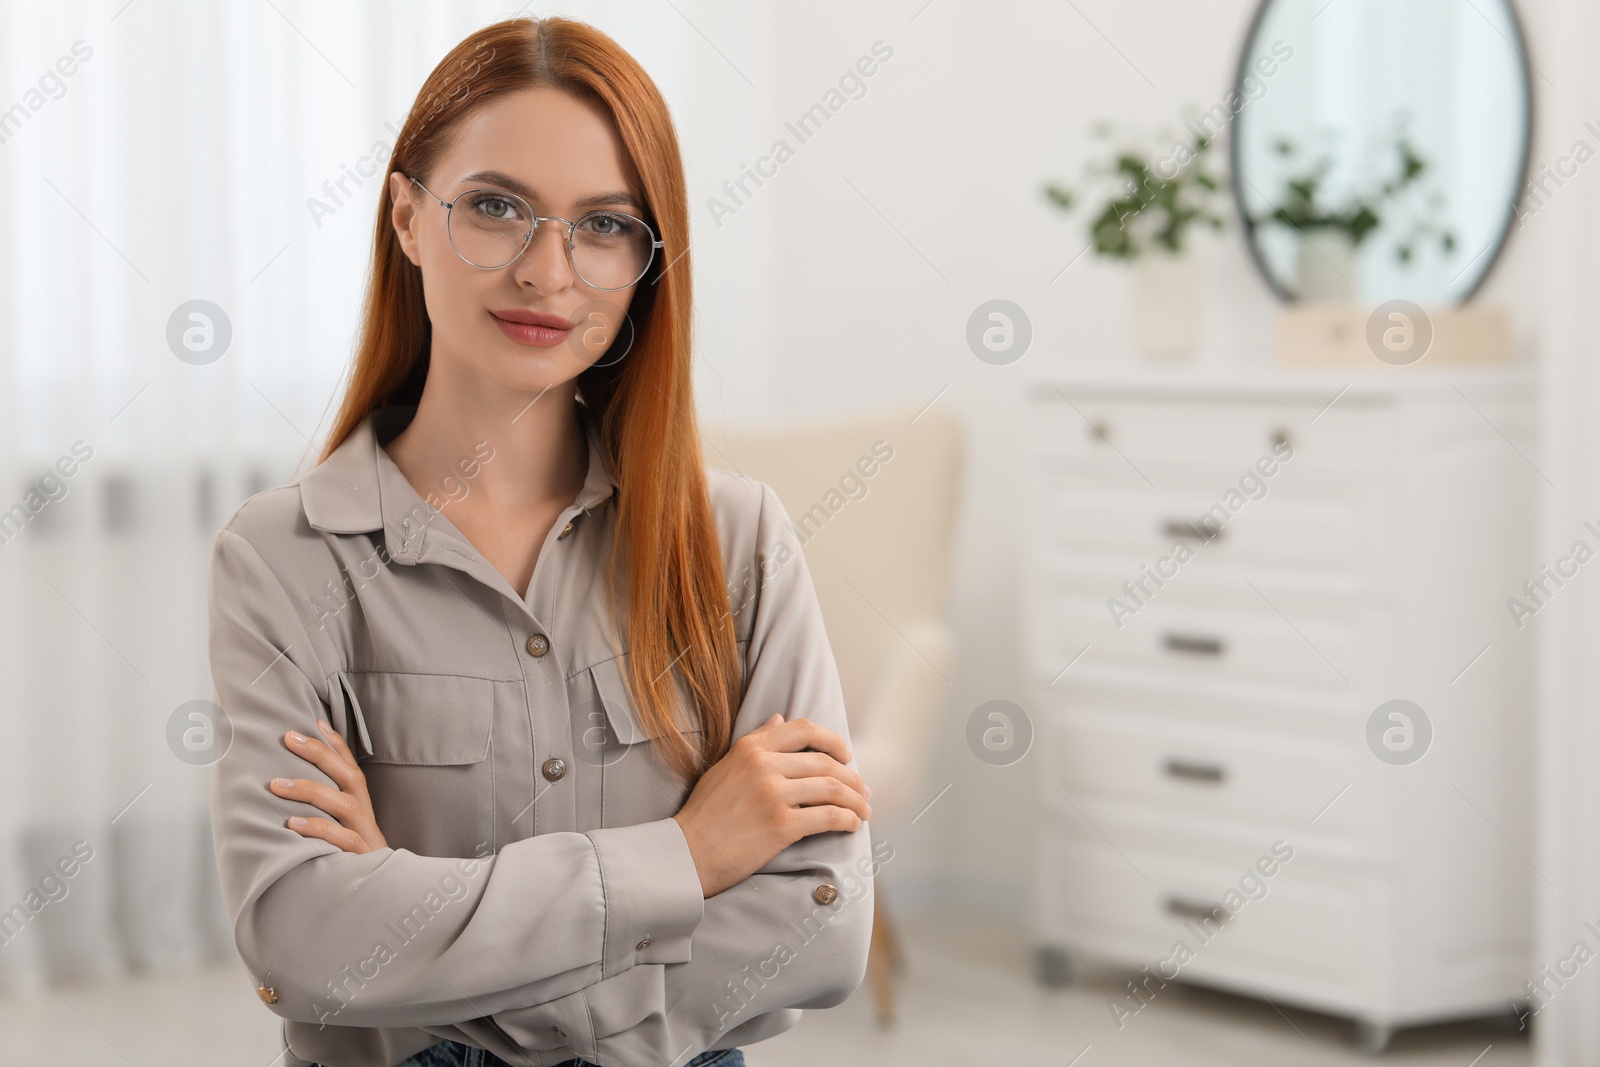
{"points": [[609, 226], [495, 207]]}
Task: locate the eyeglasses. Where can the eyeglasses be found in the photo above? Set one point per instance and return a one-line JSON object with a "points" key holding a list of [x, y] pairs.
{"points": [[607, 249]]}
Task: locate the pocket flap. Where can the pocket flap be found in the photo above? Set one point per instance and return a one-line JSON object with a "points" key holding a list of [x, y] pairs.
{"points": [[424, 718], [610, 681]]}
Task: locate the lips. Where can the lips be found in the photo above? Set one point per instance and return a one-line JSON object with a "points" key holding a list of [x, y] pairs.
{"points": [[534, 328], [524, 317]]}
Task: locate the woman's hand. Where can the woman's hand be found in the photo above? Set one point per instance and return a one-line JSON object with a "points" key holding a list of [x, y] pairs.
{"points": [[357, 828], [766, 794]]}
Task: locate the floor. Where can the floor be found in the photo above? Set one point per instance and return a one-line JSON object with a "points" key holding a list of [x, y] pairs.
{"points": [[967, 998]]}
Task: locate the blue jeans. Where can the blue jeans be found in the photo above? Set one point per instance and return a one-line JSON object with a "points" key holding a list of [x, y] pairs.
{"points": [[455, 1054]]}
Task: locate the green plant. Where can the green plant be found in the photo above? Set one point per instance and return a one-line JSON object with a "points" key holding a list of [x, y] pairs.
{"points": [[1301, 208], [1151, 207]]}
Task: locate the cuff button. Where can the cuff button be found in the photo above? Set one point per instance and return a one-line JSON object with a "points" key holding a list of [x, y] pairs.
{"points": [[825, 894]]}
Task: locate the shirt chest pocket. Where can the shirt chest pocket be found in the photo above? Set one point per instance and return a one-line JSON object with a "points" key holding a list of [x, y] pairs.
{"points": [[428, 770], [610, 735]]}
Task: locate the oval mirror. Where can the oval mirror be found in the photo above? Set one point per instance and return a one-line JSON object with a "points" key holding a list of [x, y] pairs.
{"points": [[1380, 147]]}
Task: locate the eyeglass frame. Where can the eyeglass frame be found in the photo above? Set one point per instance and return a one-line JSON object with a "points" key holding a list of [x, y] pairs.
{"points": [[572, 228]]}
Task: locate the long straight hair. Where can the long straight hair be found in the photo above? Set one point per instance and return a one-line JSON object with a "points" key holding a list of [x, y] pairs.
{"points": [[677, 613]]}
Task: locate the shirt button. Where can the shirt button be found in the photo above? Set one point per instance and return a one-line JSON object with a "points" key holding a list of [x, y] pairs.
{"points": [[641, 946], [825, 894], [538, 644], [555, 768], [564, 531]]}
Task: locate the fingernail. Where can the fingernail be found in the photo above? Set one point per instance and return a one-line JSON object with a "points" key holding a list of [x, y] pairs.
{"points": [[298, 738], [869, 792], [283, 783], [296, 820], [324, 726]]}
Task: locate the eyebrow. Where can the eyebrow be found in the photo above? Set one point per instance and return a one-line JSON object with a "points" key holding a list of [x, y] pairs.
{"points": [[527, 192]]}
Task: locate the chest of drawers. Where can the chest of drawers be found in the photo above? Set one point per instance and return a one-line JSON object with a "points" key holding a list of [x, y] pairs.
{"points": [[1224, 580]]}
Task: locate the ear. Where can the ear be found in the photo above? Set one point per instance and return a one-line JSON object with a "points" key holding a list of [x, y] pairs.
{"points": [[404, 215]]}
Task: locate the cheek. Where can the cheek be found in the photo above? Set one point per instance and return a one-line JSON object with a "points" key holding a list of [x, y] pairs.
{"points": [[455, 296]]}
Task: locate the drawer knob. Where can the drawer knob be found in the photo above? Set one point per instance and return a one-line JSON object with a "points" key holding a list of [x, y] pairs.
{"points": [[1099, 430], [1195, 772], [1189, 909], [1280, 437], [1194, 644], [1199, 531]]}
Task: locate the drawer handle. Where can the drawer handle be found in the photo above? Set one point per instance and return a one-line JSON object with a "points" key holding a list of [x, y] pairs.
{"points": [[1195, 772], [1188, 909], [1200, 646], [1198, 531]]}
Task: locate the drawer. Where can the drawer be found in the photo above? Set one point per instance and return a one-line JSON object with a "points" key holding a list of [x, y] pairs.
{"points": [[1121, 434], [1296, 928], [1323, 649], [1076, 514], [1187, 767]]}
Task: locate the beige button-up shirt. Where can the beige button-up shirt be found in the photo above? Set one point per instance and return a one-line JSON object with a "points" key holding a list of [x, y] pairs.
{"points": [[536, 899]]}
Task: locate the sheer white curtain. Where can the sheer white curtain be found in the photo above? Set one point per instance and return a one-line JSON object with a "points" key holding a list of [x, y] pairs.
{"points": [[154, 153]]}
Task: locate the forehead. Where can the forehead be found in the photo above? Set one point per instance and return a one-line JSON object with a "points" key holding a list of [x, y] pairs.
{"points": [[563, 146]]}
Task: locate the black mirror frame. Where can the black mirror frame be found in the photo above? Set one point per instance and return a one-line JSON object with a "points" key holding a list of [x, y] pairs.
{"points": [[1248, 227]]}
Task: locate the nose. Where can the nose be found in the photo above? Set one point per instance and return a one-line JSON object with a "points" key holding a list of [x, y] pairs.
{"points": [[544, 263]]}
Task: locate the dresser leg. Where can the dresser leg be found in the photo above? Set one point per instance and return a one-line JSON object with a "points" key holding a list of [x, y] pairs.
{"points": [[1373, 1037], [1050, 966]]}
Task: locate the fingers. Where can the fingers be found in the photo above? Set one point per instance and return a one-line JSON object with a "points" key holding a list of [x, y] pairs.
{"points": [[333, 801], [818, 764], [331, 832], [821, 818], [337, 763], [797, 734], [827, 791]]}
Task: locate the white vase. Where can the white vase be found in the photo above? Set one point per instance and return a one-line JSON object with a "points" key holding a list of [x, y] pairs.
{"points": [[1326, 265], [1168, 305]]}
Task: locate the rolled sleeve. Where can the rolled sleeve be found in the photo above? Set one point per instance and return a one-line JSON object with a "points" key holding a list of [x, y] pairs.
{"points": [[652, 890]]}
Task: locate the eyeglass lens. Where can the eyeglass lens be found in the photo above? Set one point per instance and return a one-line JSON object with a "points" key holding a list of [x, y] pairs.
{"points": [[609, 250]]}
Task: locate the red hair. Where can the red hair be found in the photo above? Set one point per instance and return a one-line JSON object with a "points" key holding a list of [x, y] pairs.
{"points": [[678, 615]]}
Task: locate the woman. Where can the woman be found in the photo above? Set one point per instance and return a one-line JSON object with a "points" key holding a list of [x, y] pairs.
{"points": [[538, 751]]}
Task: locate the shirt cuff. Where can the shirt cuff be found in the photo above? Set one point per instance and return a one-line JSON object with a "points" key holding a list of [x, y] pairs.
{"points": [[652, 894]]}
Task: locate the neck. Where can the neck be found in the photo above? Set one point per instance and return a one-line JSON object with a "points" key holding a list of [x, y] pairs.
{"points": [[539, 454]]}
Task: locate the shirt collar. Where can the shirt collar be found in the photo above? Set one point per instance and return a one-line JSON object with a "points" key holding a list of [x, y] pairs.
{"points": [[359, 488]]}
